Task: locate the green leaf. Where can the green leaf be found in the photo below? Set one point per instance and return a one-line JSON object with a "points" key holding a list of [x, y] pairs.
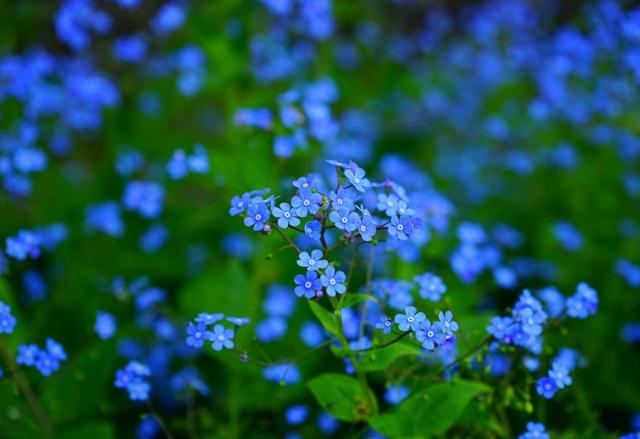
{"points": [[428, 412], [93, 430], [341, 396], [380, 358], [327, 318], [353, 299]]}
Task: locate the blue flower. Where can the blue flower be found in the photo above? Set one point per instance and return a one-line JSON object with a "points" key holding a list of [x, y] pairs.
{"points": [[297, 414], [333, 281], [355, 175], [344, 219], [430, 335], [535, 430], [396, 393], [546, 387], [27, 354], [583, 303], [365, 226], [271, 329], [306, 202], [500, 327], [197, 335], [313, 229], [46, 363], [388, 203], [105, 217], [177, 166], [7, 321], [286, 216], [24, 244], [208, 318], [312, 334], [169, 17], [238, 321], [144, 197], [312, 262], [410, 320], [139, 390], [560, 375], [282, 373], [105, 325], [307, 285], [257, 216], [239, 204], [431, 286], [400, 228], [222, 338], [342, 199], [448, 325], [385, 324]]}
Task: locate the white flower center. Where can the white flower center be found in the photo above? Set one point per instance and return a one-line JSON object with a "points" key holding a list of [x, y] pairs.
{"points": [[410, 319], [312, 262], [356, 180], [287, 215], [306, 202], [430, 334], [258, 217], [307, 284], [332, 281]]}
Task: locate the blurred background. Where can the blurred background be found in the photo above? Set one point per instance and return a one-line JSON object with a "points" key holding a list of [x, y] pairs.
{"points": [[126, 126]]}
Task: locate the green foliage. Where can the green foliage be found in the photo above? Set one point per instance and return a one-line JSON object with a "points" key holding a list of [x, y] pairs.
{"points": [[380, 358], [326, 318], [428, 412], [342, 396]]}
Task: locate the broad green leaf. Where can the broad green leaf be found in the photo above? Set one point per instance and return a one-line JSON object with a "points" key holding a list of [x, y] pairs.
{"points": [[428, 412], [327, 318], [341, 396], [377, 359], [353, 299]]}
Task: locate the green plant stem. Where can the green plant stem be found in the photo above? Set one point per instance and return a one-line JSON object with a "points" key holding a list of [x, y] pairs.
{"points": [[27, 391], [160, 421]]}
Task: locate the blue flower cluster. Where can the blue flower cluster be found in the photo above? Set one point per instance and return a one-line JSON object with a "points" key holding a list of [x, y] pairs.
{"points": [[134, 379], [29, 243], [558, 377], [206, 328], [430, 335], [46, 360], [535, 430]]}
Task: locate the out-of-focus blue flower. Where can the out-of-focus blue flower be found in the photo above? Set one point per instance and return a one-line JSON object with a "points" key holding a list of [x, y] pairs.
{"points": [[105, 325], [395, 394], [271, 329], [535, 430], [154, 238], [583, 303], [7, 321], [296, 414], [238, 245], [327, 423], [546, 387], [312, 334], [430, 286], [132, 49], [104, 217], [568, 235], [282, 373], [144, 197], [76, 19], [169, 18]]}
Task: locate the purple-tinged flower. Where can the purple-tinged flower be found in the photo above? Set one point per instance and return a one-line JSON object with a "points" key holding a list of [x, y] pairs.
{"points": [[257, 216], [410, 320], [307, 285], [286, 216], [312, 262], [333, 281], [222, 338]]}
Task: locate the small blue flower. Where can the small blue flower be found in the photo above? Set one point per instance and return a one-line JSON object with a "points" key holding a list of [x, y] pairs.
{"points": [[333, 281], [238, 321], [313, 230], [388, 204], [306, 202], [410, 320], [365, 226], [560, 375], [312, 262], [222, 338], [395, 394], [197, 335], [208, 318], [344, 219], [7, 321], [535, 430], [546, 387], [431, 286], [105, 325], [355, 175], [342, 199], [583, 303], [448, 325], [385, 324], [144, 197], [500, 327], [27, 354], [257, 216], [307, 285], [239, 204], [139, 390], [286, 216], [430, 335], [297, 414], [400, 228]]}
